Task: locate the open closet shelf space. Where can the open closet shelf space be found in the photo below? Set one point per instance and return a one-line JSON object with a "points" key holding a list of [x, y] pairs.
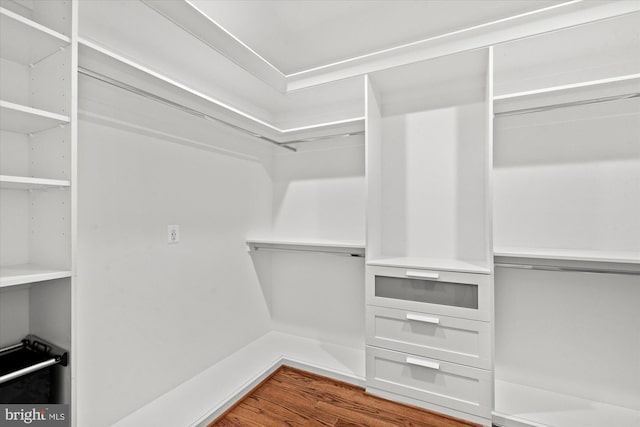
{"points": [[27, 183], [25, 41], [22, 119], [354, 249], [98, 63], [15, 275], [588, 92]]}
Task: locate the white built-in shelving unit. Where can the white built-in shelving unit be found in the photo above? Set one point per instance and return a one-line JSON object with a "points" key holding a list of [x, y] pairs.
{"points": [[427, 165], [37, 175], [496, 201], [429, 283], [567, 227]]}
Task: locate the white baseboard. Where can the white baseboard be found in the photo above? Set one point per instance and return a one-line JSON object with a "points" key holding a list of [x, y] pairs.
{"points": [[209, 394]]}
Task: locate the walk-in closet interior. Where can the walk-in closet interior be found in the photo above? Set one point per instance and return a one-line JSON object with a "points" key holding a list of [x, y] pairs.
{"points": [[437, 201]]}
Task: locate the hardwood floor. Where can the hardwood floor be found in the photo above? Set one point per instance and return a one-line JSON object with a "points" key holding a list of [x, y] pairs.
{"points": [[291, 397]]}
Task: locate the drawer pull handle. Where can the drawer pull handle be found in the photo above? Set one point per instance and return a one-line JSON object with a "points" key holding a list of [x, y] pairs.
{"points": [[422, 275], [425, 319], [424, 363]]}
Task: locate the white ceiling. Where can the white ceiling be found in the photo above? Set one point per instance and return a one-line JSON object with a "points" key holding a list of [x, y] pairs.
{"points": [[296, 35]]}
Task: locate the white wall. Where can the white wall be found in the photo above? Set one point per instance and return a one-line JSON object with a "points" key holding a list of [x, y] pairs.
{"points": [[319, 193], [569, 178], [152, 315]]}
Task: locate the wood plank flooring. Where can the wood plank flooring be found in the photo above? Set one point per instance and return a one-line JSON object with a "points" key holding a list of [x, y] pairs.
{"points": [[291, 397]]}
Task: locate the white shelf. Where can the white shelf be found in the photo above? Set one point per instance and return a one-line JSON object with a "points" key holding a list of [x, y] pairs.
{"points": [[536, 407], [431, 264], [97, 59], [25, 41], [620, 257], [22, 119], [28, 273], [354, 248], [572, 93], [26, 183]]}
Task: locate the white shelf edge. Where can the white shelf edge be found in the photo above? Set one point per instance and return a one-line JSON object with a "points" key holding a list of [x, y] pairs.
{"points": [[28, 273], [325, 246], [558, 89], [280, 131], [568, 255], [25, 182], [34, 25], [458, 266], [317, 126], [34, 111]]}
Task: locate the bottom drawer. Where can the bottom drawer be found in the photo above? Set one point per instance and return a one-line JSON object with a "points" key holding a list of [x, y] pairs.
{"points": [[454, 386]]}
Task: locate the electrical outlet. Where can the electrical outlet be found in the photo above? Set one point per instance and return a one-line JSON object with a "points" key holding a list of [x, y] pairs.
{"points": [[173, 234]]}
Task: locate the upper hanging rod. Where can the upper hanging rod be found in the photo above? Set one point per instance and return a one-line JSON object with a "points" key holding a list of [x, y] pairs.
{"points": [[567, 104], [200, 114], [565, 268], [165, 101]]}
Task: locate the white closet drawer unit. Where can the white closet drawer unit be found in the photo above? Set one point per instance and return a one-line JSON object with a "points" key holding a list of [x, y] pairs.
{"points": [[464, 295], [458, 387], [463, 341]]}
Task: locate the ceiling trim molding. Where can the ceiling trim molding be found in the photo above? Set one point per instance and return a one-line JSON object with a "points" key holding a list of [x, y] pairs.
{"points": [[546, 20], [568, 14], [192, 20]]}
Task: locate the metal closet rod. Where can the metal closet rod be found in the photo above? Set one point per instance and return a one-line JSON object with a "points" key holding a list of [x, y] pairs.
{"points": [[565, 268], [283, 144], [349, 254], [54, 359], [567, 104]]}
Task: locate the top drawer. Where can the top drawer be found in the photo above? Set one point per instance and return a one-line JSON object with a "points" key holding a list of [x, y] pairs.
{"points": [[463, 295]]}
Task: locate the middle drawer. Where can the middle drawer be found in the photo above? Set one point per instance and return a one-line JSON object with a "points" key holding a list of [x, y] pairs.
{"points": [[463, 341]]}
